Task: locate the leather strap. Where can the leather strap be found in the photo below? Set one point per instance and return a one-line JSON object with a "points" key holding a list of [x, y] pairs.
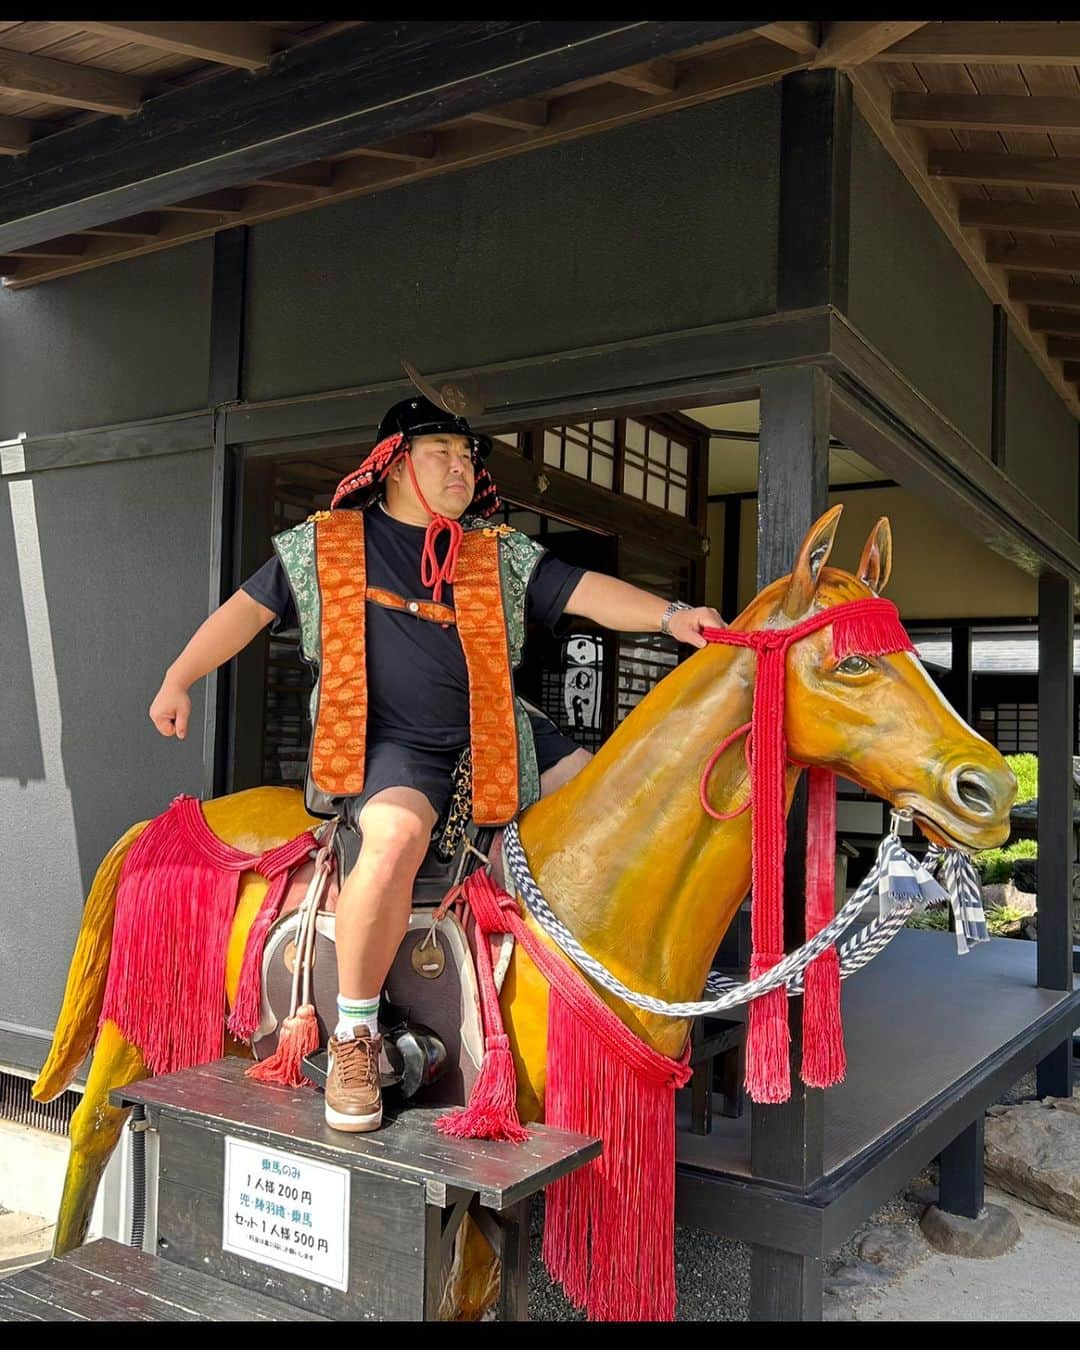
{"points": [[422, 609]]}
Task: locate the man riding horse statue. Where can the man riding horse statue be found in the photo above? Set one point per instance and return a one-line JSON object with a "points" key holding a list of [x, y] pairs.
{"points": [[412, 610]]}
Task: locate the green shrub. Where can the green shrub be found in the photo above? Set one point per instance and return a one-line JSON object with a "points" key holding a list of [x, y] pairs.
{"points": [[1001, 917], [936, 917], [1026, 768], [996, 864]]}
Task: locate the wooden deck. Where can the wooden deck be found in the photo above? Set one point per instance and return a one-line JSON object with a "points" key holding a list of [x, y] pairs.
{"points": [[977, 1023]]}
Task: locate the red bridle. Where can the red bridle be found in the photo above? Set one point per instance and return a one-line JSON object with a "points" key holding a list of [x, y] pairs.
{"points": [[869, 627]]}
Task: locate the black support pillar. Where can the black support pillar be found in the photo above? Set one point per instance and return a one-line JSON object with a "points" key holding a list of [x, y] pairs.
{"points": [[787, 1141], [960, 674], [223, 387], [1054, 1073]]}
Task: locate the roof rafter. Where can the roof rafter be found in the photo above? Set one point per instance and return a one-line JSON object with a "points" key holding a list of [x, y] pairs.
{"points": [[247, 46], [69, 85], [979, 43]]}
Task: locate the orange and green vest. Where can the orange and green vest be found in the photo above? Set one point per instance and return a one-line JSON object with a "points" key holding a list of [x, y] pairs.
{"points": [[324, 561]]}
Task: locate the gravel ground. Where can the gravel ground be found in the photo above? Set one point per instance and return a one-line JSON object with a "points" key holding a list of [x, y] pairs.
{"points": [[713, 1275]]}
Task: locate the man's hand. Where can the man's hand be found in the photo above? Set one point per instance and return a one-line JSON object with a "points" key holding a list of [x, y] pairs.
{"points": [[171, 710], [685, 625]]}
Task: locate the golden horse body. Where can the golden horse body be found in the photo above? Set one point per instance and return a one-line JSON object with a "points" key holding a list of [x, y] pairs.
{"points": [[624, 853]]}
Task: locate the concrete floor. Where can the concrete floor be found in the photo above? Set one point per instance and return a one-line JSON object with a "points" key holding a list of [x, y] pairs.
{"points": [[1038, 1281]]}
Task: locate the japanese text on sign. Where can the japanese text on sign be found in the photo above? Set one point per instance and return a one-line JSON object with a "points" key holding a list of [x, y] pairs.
{"points": [[287, 1211]]}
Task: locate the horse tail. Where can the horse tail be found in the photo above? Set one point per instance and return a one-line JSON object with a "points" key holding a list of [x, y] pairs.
{"points": [[76, 1027]]}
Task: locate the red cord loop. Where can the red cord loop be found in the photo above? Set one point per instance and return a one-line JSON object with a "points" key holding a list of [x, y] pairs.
{"points": [[433, 573]]}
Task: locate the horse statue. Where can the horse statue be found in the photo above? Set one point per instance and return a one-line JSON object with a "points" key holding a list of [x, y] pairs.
{"points": [[624, 853]]}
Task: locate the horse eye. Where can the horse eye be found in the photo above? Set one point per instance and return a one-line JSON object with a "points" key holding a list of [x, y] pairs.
{"points": [[854, 665]]}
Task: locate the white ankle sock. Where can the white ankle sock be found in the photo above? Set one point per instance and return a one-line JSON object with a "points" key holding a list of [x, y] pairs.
{"points": [[356, 1012]]}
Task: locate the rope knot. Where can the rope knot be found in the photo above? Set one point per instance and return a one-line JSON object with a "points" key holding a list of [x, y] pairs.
{"points": [[771, 639]]}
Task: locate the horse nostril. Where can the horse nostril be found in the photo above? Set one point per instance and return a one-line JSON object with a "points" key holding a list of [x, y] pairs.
{"points": [[972, 790]]}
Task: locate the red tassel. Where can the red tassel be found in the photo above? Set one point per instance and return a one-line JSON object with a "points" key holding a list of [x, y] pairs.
{"points": [[868, 628], [492, 1109], [768, 1040], [174, 909], [246, 1012], [609, 1227], [299, 1037], [824, 1061]]}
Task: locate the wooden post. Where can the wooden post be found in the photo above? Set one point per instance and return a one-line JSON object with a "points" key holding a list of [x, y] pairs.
{"points": [[999, 384], [960, 693], [1054, 1073], [787, 1141], [223, 386]]}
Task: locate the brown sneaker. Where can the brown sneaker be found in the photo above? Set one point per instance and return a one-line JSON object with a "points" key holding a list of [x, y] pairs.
{"points": [[353, 1094]]}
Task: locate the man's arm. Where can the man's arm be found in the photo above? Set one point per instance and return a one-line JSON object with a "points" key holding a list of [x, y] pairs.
{"points": [[616, 604], [227, 631]]}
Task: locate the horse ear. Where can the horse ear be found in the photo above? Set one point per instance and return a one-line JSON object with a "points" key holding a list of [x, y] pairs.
{"points": [[875, 565], [813, 555]]}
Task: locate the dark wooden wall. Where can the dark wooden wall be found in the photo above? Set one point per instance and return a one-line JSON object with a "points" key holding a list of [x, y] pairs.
{"points": [[1040, 439], [912, 296], [652, 228]]}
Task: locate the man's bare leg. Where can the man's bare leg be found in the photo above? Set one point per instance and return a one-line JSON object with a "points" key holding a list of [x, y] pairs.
{"points": [[374, 904], [372, 918]]}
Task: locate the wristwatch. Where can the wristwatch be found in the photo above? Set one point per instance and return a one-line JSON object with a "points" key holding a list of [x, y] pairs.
{"points": [[670, 612]]}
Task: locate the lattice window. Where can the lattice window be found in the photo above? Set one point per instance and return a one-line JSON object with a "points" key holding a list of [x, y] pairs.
{"points": [[644, 660], [1012, 727], [656, 467], [587, 450]]}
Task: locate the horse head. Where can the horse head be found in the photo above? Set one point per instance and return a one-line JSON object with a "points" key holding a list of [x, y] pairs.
{"points": [[880, 720]]}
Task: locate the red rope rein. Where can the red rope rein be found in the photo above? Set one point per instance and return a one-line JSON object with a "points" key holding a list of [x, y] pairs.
{"points": [[869, 627]]}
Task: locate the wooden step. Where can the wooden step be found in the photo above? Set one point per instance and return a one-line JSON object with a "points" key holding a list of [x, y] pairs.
{"points": [[108, 1282]]}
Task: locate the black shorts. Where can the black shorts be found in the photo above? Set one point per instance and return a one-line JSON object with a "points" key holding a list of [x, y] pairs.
{"points": [[390, 764]]}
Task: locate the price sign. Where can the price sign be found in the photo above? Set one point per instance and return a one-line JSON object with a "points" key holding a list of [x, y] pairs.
{"points": [[287, 1211]]}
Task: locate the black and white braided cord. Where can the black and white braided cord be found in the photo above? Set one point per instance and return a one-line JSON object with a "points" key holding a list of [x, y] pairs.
{"points": [[895, 876]]}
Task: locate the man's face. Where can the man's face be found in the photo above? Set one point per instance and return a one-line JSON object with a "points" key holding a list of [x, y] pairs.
{"points": [[444, 470]]}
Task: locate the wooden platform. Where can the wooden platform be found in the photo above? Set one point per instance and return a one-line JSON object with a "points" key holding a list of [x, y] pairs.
{"points": [[380, 1234], [977, 1022], [107, 1282]]}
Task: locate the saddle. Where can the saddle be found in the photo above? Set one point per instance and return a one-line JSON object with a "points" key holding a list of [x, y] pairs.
{"points": [[433, 1040]]}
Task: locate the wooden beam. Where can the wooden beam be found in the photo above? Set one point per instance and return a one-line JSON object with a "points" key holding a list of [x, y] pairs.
{"points": [[1035, 217], [14, 136], [1056, 293], [524, 114], [987, 112], [145, 226], [70, 246], [1063, 349], [652, 77], [873, 96], [303, 176], [1029, 255], [963, 166], [850, 42], [313, 102], [797, 35], [226, 202], [1039, 42], [1058, 321], [414, 149], [600, 107], [247, 46], [72, 86]]}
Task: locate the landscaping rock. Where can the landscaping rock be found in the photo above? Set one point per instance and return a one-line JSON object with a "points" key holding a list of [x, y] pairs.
{"points": [[1033, 1151], [851, 1281], [1000, 893], [1025, 877], [993, 1233], [892, 1249]]}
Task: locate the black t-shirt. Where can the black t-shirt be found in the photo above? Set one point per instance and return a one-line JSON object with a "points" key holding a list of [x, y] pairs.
{"points": [[418, 690]]}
